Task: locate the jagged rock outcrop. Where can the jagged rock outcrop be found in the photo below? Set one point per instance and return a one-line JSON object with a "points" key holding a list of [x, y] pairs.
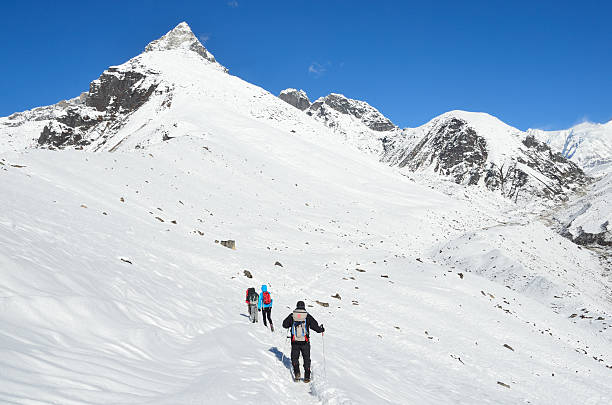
{"points": [[326, 109], [357, 122], [117, 91], [296, 98]]}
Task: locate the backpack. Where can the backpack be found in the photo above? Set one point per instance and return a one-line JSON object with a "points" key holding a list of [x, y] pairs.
{"points": [[266, 298], [252, 296], [299, 332]]}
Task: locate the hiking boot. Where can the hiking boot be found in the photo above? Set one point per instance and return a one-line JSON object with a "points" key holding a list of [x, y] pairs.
{"points": [[296, 376], [272, 327]]}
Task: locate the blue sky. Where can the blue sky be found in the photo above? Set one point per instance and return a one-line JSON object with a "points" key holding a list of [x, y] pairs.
{"points": [[536, 64]]}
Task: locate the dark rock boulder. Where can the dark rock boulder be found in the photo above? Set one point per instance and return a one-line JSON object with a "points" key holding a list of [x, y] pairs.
{"points": [[296, 98]]}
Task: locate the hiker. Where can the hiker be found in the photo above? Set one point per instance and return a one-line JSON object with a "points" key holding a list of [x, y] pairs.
{"points": [[265, 304], [251, 300], [300, 323]]}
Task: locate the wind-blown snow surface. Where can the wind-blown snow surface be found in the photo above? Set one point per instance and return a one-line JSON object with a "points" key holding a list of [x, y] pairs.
{"points": [[81, 325], [107, 300]]}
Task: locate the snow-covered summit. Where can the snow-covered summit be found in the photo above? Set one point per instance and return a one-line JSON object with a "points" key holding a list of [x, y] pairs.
{"points": [[181, 37], [588, 144], [503, 140]]}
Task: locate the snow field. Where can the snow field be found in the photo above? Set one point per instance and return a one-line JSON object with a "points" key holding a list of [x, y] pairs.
{"points": [[83, 326]]}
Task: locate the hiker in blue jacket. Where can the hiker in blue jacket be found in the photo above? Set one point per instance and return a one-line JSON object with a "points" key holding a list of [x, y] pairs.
{"points": [[265, 303]]}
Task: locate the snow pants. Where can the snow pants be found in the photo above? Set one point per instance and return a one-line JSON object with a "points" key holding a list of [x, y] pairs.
{"points": [[253, 312], [296, 349], [267, 313]]}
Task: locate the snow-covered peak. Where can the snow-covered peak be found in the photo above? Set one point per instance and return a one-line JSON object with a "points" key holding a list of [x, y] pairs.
{"points": [[479, 149], [181, 37], [480, 121], [588, 144], [503, 139]]}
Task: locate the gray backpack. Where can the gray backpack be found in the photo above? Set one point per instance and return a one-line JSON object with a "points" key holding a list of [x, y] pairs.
{"points": [[299, 332]]}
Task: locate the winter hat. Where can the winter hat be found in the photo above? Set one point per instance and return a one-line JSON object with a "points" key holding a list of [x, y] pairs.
{"points": [[300, 305]]}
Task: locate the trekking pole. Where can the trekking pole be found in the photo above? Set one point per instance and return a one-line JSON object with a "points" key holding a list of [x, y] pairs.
{"points": [[324, 363], [287, 346]]}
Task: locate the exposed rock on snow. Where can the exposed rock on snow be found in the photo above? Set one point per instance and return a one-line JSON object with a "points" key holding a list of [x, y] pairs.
{"points": [[296, 98], [325, 109], [231, 244], [587, 221]]}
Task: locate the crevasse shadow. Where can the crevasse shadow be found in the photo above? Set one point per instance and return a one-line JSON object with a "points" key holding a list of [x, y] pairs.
{"points": [[281, 357]]}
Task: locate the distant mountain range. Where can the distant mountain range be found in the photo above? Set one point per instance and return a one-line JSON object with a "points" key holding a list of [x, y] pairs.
{"points": [[138, 103]]}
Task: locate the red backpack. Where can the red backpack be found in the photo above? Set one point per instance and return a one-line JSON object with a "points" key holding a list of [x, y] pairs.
{"points": [[266, 298]]}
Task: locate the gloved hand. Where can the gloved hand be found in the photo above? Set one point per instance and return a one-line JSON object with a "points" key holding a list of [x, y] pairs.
{"points": [[322, 328], [259, 309]]}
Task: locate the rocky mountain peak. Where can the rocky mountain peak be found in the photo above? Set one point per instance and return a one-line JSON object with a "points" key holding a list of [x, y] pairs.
{"points": [[296, 98], [361, 110], [181, 37], [479, 149]]}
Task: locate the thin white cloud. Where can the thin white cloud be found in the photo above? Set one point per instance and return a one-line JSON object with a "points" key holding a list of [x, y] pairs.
{"points": [[204, 37], [316, 69], [232, 3]]}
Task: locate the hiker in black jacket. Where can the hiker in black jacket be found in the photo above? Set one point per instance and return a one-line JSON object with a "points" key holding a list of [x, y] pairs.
{"points": [[300, 323]]}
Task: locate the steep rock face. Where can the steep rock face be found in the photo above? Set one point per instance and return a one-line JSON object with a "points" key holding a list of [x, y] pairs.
{"points": [[472, 149], [118, 92], [454, 149], [324, 107], [296, 98]]}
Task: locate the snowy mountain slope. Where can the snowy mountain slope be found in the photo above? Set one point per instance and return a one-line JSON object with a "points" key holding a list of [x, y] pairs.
{"points": [[588, 144], [164, 324], [586, 220], [117, 292]]}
